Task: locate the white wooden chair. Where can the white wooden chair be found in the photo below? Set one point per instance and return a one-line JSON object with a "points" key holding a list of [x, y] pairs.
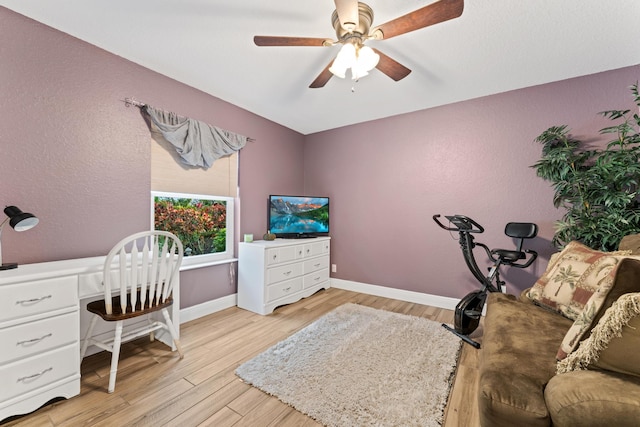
{"points": [[144, 267]]}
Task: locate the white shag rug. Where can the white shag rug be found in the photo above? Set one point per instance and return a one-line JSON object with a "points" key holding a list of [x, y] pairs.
{"points": [[359, 366]]}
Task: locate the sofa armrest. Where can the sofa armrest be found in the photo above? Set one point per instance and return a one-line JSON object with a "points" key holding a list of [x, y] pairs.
{"points": [[593, 398]]}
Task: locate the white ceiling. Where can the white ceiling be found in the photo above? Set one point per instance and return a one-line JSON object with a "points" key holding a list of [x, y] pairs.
{"points": [[495, 46]]}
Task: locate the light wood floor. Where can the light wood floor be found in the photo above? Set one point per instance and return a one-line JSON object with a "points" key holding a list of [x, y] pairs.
{"points": [[155, 388]]}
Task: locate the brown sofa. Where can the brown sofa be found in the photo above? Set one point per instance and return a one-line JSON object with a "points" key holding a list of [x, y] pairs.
{"points": [[518, 380]]}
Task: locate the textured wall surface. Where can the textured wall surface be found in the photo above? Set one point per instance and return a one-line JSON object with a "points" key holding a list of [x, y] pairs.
{"points": [[74, 155], [388, 177]]}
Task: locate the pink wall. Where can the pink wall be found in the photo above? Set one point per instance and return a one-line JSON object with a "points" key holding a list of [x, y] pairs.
{"points": [[388, 177], [74, 155]]}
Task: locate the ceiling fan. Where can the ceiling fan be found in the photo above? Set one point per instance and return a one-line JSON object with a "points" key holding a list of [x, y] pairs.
{"points": [[352, 21]]}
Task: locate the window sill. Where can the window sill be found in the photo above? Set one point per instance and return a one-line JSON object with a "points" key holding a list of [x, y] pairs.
{"points": [[203, 264]]}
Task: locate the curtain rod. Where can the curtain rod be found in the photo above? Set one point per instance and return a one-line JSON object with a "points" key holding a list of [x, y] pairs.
{"points": [[131, 101], [128, 102]]}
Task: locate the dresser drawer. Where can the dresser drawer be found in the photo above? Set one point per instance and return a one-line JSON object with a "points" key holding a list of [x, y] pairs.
{"points": [[30, 298], [315, 278], [316, 248], [316, 264], [283, 254], [283, 289], [277, 274], [38, 371], [37, 337]]}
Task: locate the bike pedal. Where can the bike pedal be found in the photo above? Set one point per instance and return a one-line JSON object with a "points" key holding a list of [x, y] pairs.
{"points": [[474, 314]]}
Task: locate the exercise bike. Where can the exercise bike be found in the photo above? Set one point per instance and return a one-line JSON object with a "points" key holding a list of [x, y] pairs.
{"points": [[469, 310]]}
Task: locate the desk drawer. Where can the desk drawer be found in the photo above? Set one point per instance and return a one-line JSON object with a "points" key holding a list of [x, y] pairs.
{"points": [[35, 372], [37, 337], [30, 298]]}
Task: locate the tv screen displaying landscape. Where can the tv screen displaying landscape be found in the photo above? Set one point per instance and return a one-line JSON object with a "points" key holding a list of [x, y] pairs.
{"points": [[298, 215]]}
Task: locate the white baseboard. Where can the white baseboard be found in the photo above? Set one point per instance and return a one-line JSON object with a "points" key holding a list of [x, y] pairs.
{"points": [[399, 294], [209, 307]]}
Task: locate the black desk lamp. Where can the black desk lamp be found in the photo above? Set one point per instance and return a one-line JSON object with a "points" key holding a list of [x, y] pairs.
{"points": [[19, 221]]}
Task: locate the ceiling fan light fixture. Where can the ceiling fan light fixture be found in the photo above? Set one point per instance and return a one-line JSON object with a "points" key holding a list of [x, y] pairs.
{"points": [[345, 59], [360, 59], [367, 58], [358, 73], [338, 72]]}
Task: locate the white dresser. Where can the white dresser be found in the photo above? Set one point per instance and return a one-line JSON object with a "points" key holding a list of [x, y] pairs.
{"points": [[282, 271]]}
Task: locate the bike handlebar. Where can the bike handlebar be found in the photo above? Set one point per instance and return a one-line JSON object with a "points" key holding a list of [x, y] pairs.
{"points": [[462, 224], [533, 257]]}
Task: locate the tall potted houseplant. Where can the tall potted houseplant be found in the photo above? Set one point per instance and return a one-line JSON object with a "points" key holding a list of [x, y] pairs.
{"points": [[598, 188]]}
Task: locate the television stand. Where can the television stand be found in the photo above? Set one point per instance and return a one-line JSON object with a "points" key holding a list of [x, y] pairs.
{"points": [[279, 272]]}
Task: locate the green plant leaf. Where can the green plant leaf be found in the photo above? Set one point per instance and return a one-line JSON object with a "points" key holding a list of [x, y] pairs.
{"points": [[597, 188]]}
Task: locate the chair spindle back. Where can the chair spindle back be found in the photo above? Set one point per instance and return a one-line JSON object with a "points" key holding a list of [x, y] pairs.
{"points": [[143, 267]]}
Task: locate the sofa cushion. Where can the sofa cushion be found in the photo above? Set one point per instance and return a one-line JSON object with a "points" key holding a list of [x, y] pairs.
{"points": [[593, 399], [614, 342], [517, 359], [561, 287], [612, 276]]}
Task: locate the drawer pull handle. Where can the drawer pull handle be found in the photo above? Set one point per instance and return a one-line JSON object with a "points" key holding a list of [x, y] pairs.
{"points": [[317, 265], [34, 376], [287, 289], [33, 340], [32, 300], [317, 278], [287, 273]]}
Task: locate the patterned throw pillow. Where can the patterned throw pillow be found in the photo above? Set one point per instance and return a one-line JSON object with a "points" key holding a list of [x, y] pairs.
{"points": [[614, 276], [600, 277], [561, 287], [614, 342]]}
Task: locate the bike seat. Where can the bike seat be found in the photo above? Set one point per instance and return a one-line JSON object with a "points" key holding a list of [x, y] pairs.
{"points": [[508, 256], [519, 231]]}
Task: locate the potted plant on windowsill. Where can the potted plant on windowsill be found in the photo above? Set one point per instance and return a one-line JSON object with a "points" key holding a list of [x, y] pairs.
{"points": [[599, 188]]}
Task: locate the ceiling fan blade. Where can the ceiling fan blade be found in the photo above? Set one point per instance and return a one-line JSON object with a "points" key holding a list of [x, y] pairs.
{"points": [[290, 41], [322, 78], [391, 67], [348, 14], [434, 13]]}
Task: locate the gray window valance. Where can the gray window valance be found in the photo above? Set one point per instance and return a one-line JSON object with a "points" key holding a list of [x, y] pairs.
{"points": [[197, 143]]}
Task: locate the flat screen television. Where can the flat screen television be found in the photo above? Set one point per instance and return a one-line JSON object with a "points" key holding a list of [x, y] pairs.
{"points": [[292, 217]]}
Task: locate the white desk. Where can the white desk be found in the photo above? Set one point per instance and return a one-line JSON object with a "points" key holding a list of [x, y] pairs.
{"points": [[42, 320]]}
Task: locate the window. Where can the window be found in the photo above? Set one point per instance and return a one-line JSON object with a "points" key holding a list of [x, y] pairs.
{"points": [[203, 223], [194, 192]]}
